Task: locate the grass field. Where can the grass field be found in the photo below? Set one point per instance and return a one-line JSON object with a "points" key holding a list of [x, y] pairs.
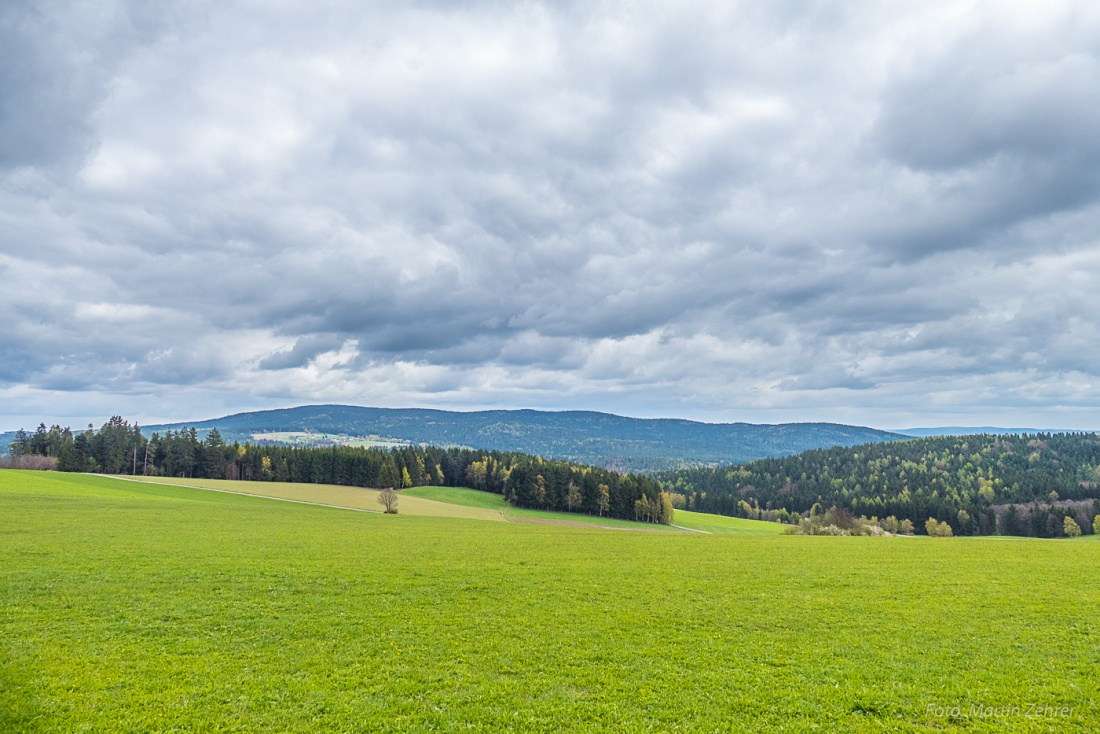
{"points": [[723, 525], [338, 496], [457, 502], [151, 608], [690, 520], [458, 496]]}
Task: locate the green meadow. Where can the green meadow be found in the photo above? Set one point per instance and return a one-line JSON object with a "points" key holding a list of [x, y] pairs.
{"points": [[464, 497], [136, 607]]}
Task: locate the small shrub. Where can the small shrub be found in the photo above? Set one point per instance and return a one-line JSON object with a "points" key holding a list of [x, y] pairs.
{"points": [[938, 529]]}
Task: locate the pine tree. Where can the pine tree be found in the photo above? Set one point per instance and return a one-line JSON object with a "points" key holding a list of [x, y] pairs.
{"points": [[20, 445]]}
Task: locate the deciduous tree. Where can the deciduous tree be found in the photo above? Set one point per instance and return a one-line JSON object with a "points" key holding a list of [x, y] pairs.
{"points": [[388, 499]]}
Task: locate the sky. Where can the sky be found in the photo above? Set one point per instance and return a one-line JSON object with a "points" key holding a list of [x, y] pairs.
{"points": [[875, 213]]}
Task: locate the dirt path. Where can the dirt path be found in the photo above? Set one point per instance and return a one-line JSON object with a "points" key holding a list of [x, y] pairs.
{"points": [[692, 530], [567, 523]]}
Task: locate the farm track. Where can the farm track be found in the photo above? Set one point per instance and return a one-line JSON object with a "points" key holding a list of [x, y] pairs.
{"points": [[691, 530], [567, 523]]}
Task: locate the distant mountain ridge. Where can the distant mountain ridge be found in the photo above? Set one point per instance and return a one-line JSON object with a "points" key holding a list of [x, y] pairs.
{"points": [[601, 439], [979, 430]]}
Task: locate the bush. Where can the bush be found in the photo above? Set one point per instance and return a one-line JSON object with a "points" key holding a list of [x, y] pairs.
{"points": [[938, 529]]}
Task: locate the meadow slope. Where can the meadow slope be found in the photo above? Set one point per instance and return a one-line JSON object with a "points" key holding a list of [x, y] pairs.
{"points": [[356, 498], [141, 607]]}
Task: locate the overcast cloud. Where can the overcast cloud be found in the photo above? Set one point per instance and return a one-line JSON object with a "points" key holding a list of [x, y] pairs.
{"points": [[864, 212]]}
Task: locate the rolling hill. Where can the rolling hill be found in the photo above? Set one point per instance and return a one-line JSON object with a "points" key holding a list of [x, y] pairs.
{"points": [[602, 439]]}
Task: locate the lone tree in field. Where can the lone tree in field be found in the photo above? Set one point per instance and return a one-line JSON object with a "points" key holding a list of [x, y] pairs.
{"points": [[388, 499]]}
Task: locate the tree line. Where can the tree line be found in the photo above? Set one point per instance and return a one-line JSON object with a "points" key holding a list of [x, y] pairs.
{"points": [[1030, 485], [524, 480]]}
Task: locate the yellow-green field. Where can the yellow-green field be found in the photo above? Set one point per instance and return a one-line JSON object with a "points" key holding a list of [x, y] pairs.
{"points": [[140, 607], [458, 502], [475, 498], [357, 498], [724, 525]]}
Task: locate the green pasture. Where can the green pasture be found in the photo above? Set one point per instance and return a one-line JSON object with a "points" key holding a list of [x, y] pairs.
{"points": [[132, 607], [464, 497], [355, 498], [458, 496], [455, 502], [722, 525]]}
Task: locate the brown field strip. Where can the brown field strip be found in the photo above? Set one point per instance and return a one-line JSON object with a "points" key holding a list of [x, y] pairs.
{"points": [[353, 498]]}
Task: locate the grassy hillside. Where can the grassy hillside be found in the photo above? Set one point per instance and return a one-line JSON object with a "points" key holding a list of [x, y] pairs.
{"points": [[476, 498], [458, 496], [337, 496], [601, 439], [453, 502], [143, 607], [726, 525]]}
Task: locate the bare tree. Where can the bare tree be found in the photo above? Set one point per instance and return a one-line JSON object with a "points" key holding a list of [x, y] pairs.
{"points": [[388, 499], [35, 462]]}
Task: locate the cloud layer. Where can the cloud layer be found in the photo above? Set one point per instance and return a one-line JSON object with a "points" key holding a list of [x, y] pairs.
{"points": [[862, 212]]}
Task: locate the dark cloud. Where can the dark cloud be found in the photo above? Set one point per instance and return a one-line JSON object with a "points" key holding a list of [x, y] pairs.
{"points": [[45, 93], [999, 128], [807, 210], [304, 351]]}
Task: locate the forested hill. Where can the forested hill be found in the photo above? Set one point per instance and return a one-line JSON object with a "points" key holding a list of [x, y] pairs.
{"points": [[601, 439], [979, 484]]}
